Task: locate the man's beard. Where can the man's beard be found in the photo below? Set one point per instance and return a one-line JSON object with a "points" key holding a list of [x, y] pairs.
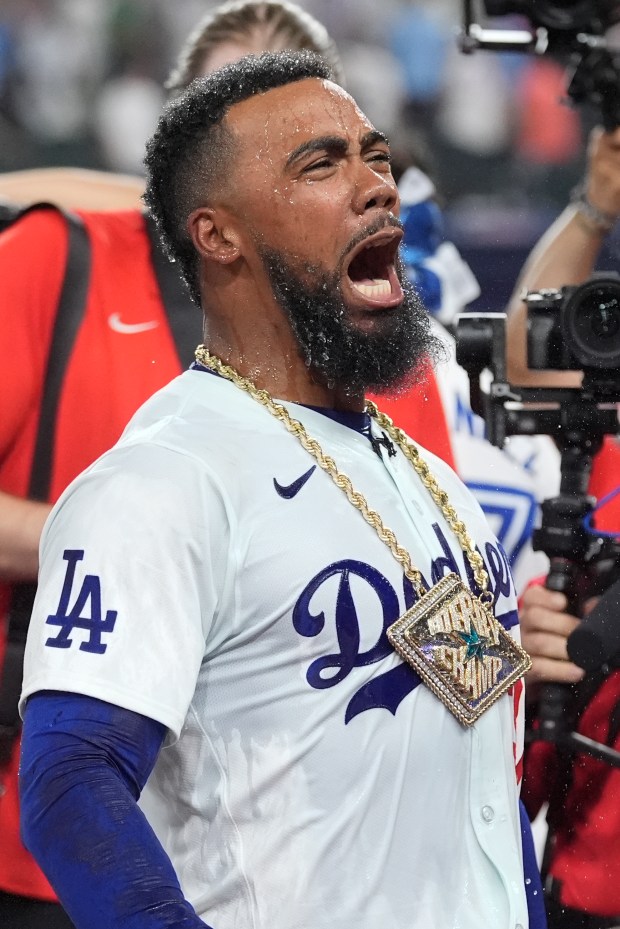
{"points": [[389, 359]]}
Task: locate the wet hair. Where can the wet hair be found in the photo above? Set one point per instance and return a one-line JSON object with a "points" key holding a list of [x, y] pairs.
{"points": [[280, 24], [189, 156]]}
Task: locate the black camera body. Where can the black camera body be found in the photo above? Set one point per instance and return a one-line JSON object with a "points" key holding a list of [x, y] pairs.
{"points": [[576, 327]]}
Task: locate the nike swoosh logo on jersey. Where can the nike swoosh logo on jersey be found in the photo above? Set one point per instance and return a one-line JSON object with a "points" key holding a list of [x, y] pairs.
{"points": [[288, 491], [117, 325]]}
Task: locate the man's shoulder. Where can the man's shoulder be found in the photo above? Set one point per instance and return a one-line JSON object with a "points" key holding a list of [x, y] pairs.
{"points": [[193, 410], [42, 219], [113, 229]]}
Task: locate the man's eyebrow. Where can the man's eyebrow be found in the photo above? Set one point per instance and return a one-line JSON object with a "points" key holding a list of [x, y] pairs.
{"points": [[372, 136], [335, 144], [330, 143]]}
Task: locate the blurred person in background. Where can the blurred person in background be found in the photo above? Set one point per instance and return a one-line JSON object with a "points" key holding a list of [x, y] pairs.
{"points": [[568, 251]]}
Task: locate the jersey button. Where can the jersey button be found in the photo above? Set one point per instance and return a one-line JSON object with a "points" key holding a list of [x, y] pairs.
{"points": [[488, 814]]}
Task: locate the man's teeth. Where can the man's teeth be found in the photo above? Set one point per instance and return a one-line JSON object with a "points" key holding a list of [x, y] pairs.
{"points": [[378, 288]]}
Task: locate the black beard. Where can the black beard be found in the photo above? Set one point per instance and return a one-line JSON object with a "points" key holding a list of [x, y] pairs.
{"points": [[387, 359]]}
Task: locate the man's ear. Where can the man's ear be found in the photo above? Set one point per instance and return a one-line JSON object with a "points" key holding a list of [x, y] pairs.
{"points": [[214, 235]]}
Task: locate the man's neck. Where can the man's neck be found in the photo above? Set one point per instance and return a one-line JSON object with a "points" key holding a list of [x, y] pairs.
{"points": [[286, 377]]}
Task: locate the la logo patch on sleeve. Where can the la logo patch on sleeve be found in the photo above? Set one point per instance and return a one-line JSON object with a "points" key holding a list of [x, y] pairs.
{"points": [[88, 600]]}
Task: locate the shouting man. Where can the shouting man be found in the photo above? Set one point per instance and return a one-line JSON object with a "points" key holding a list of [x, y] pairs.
{"points": [[265, 600]]}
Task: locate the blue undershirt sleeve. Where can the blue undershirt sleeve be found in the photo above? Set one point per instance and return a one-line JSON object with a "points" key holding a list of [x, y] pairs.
{"points": [[531, 872], [84, 763]]}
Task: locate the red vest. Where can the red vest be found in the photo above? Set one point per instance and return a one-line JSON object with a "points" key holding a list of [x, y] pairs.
{"points": [[123, 353]]}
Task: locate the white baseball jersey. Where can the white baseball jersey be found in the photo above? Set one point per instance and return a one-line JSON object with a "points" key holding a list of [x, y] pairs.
{"points": [[208, 574]]}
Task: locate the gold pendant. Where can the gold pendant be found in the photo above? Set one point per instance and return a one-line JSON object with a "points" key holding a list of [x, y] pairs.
{"points": [[461, 652]]}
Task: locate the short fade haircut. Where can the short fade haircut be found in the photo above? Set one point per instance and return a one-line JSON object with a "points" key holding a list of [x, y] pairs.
{"points": [[186, 157], [279, 24]]}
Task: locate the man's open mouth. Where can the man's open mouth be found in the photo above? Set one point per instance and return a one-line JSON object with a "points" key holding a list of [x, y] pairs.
{"points": [[371, 270]]}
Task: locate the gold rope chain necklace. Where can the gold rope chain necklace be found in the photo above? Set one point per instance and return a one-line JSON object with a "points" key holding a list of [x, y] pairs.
{"points": [[450, 637]]}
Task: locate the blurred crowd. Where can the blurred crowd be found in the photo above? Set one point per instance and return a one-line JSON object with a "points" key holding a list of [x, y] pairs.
{"points": [[81, 84]]}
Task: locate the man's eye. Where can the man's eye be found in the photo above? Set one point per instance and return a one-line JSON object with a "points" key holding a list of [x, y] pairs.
{"points": [[380, 156], [317, 165]]}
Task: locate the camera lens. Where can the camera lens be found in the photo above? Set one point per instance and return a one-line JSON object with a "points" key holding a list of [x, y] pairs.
{"points": [[591, 323]]}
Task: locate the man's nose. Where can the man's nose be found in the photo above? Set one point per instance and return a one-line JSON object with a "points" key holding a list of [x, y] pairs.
{"points": [[375, 191]]}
